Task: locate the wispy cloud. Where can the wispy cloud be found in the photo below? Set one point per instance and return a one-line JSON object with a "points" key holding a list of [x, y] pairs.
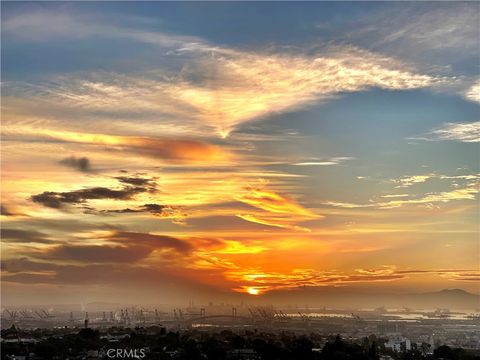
{"points": [[410, 180], [464, 132], [218, 87], [395, 196], [275, 221], [270, 201], [331, 161], [437, 40], [23, 236], [467, 193], [278, 210], [243, 86], [473, 93], [451, 27], [54, 24], [420, 32], [468, 132]]}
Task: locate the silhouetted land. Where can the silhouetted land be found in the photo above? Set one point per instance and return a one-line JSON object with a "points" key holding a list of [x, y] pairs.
{"points": [[157, 343]]}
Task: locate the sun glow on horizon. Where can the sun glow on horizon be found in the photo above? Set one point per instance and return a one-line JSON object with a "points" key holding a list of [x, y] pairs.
{"points": [[253, 291]]}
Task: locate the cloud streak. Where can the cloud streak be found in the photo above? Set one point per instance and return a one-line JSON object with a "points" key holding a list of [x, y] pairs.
{"points": [[464, 132], [468, 193], [98, 253], [171, 150], [151, 240], [40, 26], [331, 161], [272, 202], [277, 210], [467, 132], [23, 236]]}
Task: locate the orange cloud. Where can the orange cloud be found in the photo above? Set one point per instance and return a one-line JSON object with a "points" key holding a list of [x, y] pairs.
{"points": [[273, 202], [255, 282], [165, 149], [236, 247], [278, 210], [264, 282]]}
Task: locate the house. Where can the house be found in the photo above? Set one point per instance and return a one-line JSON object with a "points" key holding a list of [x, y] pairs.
{"points": [[242, 354], [399, 344]]}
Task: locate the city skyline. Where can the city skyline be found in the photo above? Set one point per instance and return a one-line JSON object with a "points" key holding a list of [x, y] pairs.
{"points": [[171, 151]]}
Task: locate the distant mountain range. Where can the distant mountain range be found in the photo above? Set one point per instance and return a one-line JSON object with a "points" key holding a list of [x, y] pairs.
{"points": [[347, 298], [450, 298], [333, 297]]}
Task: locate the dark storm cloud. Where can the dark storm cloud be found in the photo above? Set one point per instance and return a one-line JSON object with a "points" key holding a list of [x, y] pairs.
{"points": [[99, 253], [152, 240], [57, 199], [23, 236], [81, 163]]}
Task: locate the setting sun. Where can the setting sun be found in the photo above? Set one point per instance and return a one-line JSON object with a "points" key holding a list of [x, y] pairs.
{"points": [[253, 291]]}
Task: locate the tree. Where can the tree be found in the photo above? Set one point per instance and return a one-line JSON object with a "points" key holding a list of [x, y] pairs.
{"points": [[444, 351]]}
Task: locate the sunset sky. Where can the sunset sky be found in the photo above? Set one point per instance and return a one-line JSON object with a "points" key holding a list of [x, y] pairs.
{"points": [[156, 152]]}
